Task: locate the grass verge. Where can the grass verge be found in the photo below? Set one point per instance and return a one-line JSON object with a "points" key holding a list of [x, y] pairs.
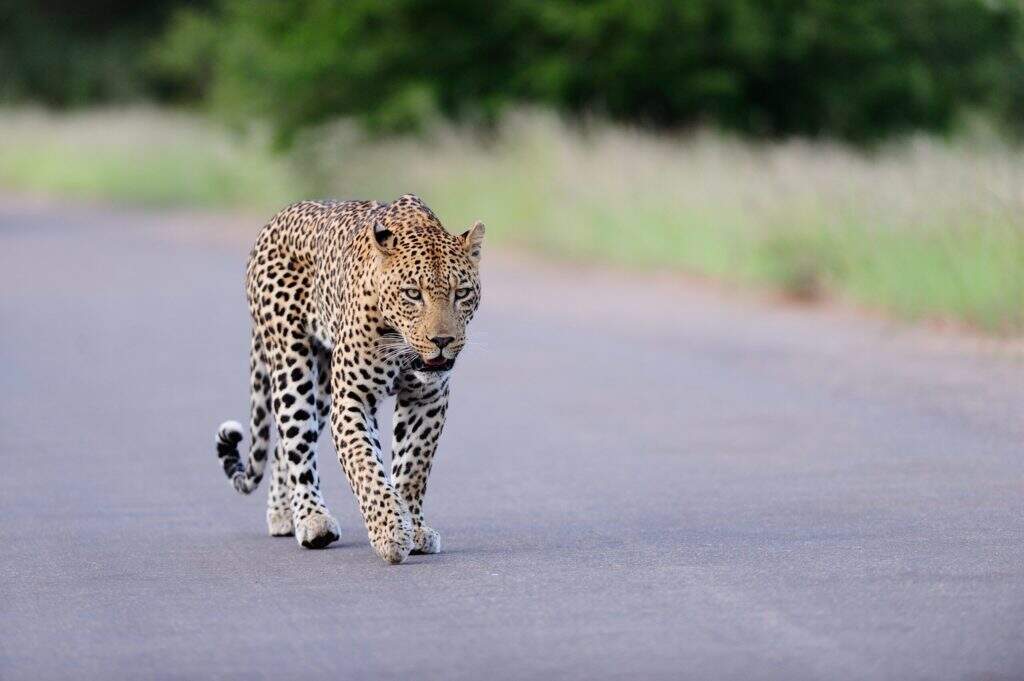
{"points": [[924, 229]]}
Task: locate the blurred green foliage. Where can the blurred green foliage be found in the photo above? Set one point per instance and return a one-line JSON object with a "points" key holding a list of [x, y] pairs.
{"points": [[65, 54], [858, 70]]}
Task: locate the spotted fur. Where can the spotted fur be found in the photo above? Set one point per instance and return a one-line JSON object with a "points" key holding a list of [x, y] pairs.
{"points": [[351, 302]]}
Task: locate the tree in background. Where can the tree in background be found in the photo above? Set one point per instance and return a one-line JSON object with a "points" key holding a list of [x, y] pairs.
{"points": [[856, 70]]}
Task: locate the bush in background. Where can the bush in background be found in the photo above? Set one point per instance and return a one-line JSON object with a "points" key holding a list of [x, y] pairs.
{"points": [[855, 70]]}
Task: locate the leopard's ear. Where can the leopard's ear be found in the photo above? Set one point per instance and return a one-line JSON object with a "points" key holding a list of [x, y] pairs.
{"points": [[472, 240], [384, 238]]}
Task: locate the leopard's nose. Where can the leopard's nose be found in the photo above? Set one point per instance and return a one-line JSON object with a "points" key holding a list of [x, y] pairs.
{"points": [[441, 341]]}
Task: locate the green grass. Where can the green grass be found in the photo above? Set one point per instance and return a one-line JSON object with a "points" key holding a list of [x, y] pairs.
{"points": [[926, 229], [139, 156]]}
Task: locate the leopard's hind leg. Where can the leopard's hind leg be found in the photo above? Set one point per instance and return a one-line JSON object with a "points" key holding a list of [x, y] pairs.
{"points": [[279, 512], [279, 509], [293, 380]]}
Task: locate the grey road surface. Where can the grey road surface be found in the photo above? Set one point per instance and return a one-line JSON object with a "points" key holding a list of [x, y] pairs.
{"points": [[640, 479]]}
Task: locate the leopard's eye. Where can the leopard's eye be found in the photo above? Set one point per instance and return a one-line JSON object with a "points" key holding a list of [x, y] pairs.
{"points": [[412, 293], [462, 293]]}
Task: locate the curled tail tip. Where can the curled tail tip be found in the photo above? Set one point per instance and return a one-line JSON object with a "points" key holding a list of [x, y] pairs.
{"points": [[229, 432], [244, 480]]}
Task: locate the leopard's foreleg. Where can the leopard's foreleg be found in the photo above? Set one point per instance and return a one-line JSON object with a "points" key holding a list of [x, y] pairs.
{"points": [[418, 421], [354, 426]]}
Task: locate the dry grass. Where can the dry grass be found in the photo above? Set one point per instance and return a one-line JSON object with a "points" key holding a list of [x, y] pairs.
{"points": [[922, 229]]}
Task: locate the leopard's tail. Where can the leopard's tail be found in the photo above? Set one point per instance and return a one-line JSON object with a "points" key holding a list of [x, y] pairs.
{"points": [[246, 477]]}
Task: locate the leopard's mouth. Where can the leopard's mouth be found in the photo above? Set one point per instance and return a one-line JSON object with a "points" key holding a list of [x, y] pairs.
{"points": [[439, 363]]}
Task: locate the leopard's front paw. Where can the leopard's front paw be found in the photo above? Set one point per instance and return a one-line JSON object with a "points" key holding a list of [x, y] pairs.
{"points": [[392, 544], [317, 531], [279, 523], [426, 540]]}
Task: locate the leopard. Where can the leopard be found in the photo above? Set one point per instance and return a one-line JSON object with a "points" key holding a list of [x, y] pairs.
{"points": [[352, 302]]}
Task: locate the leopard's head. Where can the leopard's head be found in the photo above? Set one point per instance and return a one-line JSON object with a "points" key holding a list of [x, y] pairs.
{"points": [[428, 284]]}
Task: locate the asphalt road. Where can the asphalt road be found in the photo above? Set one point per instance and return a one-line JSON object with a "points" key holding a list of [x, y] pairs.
{"points": [[640, 479]]}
